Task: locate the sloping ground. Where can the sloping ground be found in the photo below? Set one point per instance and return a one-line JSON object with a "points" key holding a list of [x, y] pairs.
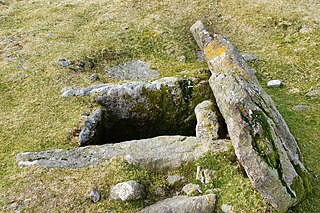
{"points": [[95, 35]]}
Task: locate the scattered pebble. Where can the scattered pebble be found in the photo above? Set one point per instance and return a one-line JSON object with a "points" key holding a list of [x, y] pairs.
{"points": [[174, 180], [125, 191], [64, 62], [301, 107], [191, 188], [305, 30], [94, 77], [227, 208], [182, 58], [49, 35], [95, 195], [313, 93], [20, 206], [274, 83]]}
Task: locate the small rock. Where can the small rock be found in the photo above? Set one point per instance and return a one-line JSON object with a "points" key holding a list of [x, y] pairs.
{"points": [[227, 208], [20, 206], [305, 30], [95, 195], [205, 176], [125, 191], [185, 204], [175, 180], [313, 93], [94, 77], [49, 35], [200, 56], [274, 83], [248, 57], [64, 62], [191, 188], [301, 107], [182, 58]]}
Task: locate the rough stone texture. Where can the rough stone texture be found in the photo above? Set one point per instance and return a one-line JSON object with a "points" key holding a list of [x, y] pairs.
{"points": [[175, 180], [274, 83], [261, 138], [92, 131], [133, 70], [191, 188], [162, 153], [126, 191], [139, 110], [185, 204], [207, 120], [313, 93]]}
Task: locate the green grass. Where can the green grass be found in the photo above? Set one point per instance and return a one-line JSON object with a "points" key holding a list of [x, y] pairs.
{"points": [[104, 33]]}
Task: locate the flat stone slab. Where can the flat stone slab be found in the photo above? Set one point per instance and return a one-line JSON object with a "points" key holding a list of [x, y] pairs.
{"points": [[161, 153], [183, 204], [133, 70]]}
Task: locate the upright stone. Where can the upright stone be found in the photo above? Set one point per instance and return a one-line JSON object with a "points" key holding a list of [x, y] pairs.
{"points": [[261, 138]]}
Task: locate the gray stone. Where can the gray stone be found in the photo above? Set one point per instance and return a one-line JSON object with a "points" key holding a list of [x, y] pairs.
{"points": [[207, 120], [313, 93], [301, 107], [164, 153], [175, 180], [133, 70], [227, 208], [95, 195], [70, 91], [248, 57], [64, 62], [94, 77], [160, 191], [261, 139], [182, 58], [304, 30], [274, 83], [126, 191], [185, 204], [191, 188], [20, 206], [92, 131]]}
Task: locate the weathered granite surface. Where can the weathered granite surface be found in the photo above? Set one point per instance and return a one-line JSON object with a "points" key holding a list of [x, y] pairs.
{"points": [[261, 138], [162, 153]]}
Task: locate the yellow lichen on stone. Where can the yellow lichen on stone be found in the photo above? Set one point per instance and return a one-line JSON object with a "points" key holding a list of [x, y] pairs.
{"points": [[210, 51]]}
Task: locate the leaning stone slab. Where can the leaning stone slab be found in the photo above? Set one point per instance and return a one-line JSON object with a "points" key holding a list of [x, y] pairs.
{"points": [[162, 153], [185, 204], [261, 138]]}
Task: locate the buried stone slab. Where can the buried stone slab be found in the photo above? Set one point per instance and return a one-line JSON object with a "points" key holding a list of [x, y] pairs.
{"points": [[185, 204], [164, 153], [139, 110], [261, 138]]}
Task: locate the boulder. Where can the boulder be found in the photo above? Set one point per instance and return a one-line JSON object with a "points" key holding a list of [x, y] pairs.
{"points": [[126, 191], [185, 204], [164, 153], [133, 70], [261, 139]]}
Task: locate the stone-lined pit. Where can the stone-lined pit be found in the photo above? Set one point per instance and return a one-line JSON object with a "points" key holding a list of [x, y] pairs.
{"points": [[140, 110]]}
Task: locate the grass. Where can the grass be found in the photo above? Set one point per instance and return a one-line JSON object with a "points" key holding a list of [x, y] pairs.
{"points": [[34, 35]]}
